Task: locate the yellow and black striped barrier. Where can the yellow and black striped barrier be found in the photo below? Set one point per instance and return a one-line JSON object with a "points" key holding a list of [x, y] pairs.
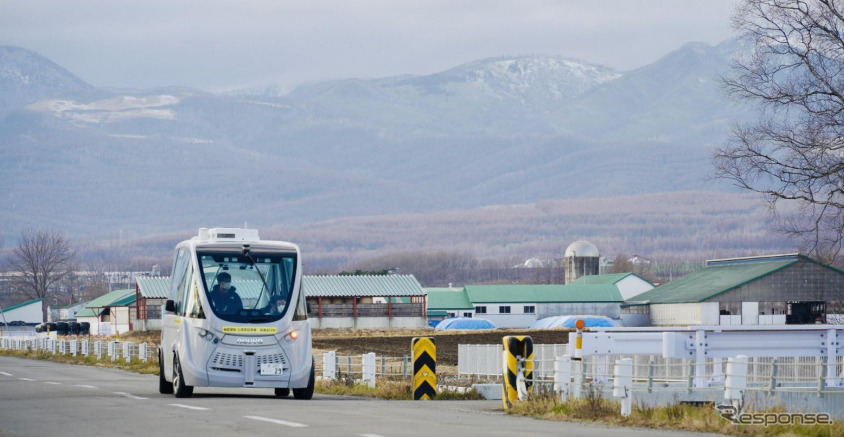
{"points": [[517, 368], [424, 368]]}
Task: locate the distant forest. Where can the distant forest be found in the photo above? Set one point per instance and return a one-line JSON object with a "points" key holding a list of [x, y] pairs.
{"points": [[674, 232]]}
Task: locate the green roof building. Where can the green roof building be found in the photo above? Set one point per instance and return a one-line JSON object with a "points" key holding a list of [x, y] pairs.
{"points": [[520, 305], [766, 290]]}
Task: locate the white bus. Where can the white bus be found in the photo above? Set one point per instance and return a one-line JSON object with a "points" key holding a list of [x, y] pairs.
{"points": [[236, 316]]}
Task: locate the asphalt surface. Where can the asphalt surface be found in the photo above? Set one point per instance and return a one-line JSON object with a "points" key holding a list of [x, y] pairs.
{"points": [[41, 398]]}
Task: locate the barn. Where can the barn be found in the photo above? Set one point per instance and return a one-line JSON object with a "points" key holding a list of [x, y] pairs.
{"points": [[111, 313], [26, 312], [150, 295], [788, 289]]}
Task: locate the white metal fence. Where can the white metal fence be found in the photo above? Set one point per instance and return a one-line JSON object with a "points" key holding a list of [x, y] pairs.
{"points": [[101, 349]]}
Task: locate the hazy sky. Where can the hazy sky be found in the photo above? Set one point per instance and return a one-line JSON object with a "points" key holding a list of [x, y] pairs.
{"points": [[217, 45]]}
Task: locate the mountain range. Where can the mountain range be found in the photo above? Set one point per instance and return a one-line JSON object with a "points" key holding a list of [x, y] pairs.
{"points": [[96, 162]]}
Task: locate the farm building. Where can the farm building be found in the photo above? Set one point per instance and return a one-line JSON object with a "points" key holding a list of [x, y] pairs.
{"points": [[448, 302], [764, 290], [391, 301], [519, 306], [111, 313], [27, 312], [150, 295], [64, 312]]}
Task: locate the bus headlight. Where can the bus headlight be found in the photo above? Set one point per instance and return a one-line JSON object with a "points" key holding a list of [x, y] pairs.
{"points": [[205, 334], [291, 336]]}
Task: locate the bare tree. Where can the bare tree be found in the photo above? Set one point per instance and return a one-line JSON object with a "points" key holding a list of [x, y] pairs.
{"points": [[793, 154], [42, 259]]}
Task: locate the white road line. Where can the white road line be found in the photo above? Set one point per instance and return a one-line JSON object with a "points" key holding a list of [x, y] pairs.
{"points": [[370, 435], [52, 383], [26, 379], [130, 396], [278, 422], [84, 386], [189, 407], [4, 373]]}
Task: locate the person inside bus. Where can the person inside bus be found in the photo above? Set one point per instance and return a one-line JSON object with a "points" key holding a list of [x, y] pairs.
{"points": [[224, 297]]}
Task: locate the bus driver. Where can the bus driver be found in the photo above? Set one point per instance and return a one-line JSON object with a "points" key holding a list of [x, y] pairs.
{"points": [[223, 295]]}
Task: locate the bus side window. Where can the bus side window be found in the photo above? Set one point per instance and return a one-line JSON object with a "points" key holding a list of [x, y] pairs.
{"points": [[195, 304], [180, 264], [184, 289], [301, 306]]}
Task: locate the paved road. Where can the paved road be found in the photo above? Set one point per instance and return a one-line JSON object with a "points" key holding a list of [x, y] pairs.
{"points": [[41, 398]]}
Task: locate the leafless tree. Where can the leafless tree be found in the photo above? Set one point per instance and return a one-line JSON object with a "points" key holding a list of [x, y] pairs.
{"points": [[793, 154], [42, 259]]}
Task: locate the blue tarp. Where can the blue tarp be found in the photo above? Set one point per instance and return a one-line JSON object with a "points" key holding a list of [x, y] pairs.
{"points": [[569, 321], [465, 323]]}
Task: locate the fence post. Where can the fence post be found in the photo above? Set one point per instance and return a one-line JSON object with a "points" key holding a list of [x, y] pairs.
{"points": [[774, 370], [329, 365], [735, 382], [651, 375], [404, 365], [622, 384], [127, 352], [368, 369], [691, 380], [349, 365], [821, 377], [562, 376], [73, 347], [142, 352], [383, 366]]}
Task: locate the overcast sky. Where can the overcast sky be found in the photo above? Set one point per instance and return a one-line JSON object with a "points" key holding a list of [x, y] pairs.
{"points": [[217, 45]]}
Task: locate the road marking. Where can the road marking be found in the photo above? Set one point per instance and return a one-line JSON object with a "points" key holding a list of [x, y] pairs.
{"points": [[370, 435], [278, 422], [52, 383], [84, 386], [130, 396], [4, 373], [189, 407], [26, 379]]}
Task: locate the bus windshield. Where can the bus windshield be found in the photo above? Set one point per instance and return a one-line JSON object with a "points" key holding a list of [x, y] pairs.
{"points": [[252, 288]]}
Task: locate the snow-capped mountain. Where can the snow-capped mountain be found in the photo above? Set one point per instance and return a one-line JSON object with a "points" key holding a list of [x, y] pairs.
{"points": [[495, 131], [26, 77]]}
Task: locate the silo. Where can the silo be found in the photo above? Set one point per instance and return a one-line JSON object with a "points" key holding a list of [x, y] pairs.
{"points": [[581, 259]]}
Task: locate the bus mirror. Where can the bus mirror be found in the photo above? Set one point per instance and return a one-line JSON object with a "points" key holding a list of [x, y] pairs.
{"points": [[170, 306]]}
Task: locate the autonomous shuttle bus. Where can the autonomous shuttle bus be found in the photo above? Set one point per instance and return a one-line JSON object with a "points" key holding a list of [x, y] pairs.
{"points": [[236, 316]]}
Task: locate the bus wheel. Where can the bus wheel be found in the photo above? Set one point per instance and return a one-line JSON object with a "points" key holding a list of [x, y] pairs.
{"points": [[164, 387], [307, 392], [181, 389], [282, 392]]}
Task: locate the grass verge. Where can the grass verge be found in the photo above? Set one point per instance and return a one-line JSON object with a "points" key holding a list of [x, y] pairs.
{"points": [[135, 365], [596, 409], [392, 390]]}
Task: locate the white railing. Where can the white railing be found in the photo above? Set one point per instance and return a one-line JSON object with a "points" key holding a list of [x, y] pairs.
{"points": [[111, 349]]}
